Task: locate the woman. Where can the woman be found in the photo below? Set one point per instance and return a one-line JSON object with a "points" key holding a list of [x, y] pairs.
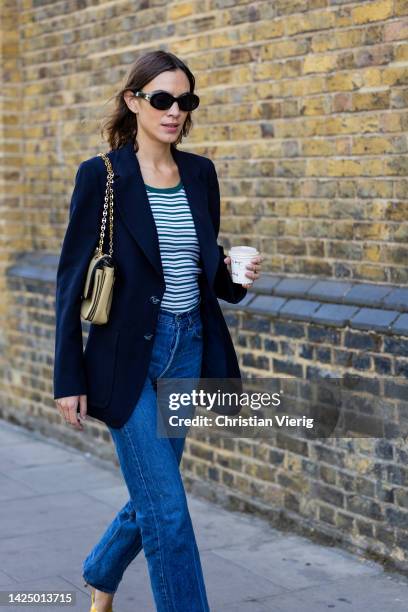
{"points": [[164, 320]]}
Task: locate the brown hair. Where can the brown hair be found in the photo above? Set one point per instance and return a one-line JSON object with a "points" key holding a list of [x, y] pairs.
{"points": [[121, 125]]}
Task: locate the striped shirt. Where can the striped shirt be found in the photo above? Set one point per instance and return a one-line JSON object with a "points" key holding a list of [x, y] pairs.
{"points": [[179, 247]]}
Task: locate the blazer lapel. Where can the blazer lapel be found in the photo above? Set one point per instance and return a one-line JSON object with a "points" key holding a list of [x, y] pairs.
{"points": [[134, 207]]}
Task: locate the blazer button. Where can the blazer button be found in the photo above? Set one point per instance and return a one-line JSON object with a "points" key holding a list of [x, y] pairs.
{"points": [[154, 299], [148, 336]]}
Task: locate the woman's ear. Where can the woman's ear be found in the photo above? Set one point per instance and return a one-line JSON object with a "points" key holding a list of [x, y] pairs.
{"points": [[131, 101]]}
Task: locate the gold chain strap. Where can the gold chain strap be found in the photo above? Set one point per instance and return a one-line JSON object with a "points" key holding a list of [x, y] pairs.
{"points": [[108, 204]]}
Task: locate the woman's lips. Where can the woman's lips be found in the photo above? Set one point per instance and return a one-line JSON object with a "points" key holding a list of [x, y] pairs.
{"points": [[170, 128]]}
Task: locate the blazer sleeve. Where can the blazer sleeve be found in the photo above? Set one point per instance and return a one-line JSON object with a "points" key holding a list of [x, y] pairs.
{"points": [[81, 238], [224, 286]]}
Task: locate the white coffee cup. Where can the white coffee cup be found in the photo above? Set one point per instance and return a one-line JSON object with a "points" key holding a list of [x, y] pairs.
{"points": [[240, 257]]}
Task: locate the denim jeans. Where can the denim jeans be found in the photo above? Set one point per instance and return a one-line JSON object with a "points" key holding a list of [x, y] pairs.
{"points": [[156, 517]]}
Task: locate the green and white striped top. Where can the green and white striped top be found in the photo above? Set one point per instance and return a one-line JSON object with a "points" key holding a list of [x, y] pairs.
{"points": [[179, 247]]}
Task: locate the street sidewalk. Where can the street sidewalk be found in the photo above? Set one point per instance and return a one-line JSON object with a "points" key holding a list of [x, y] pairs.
{"points": [[55, 503]]}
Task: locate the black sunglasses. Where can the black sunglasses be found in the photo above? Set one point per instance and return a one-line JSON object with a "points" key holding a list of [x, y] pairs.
{"points": [[163, 100]]}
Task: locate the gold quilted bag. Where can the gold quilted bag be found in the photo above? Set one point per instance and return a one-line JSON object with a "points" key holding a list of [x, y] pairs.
{"points": [[98, 290]]}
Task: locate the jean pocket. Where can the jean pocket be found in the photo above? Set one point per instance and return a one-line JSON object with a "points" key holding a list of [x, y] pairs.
{"points": [[198, 332]]}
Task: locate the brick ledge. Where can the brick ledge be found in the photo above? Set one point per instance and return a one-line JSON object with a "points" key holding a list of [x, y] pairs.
{"points": [[364, 306], [360, 305]]}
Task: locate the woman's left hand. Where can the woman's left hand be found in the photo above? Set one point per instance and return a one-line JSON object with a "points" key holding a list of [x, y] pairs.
{"points": [[253, 267]]}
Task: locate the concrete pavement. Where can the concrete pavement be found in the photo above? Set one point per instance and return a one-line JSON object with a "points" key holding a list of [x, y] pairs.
{"points": [[55, 503]]}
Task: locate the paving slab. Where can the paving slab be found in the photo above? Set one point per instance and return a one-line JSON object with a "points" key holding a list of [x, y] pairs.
{"points": [[298, 563], [400, 325], [361, 594], [60, 476], [56, 502], [244, 302], [330, 289], [299, 309], [266, 304], [266, 283], [367, 294], [294, 286], [374, 319], [334, 314], [397, 298]]}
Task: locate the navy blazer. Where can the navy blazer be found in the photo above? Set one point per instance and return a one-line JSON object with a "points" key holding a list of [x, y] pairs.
{"points": [[112, 369]]}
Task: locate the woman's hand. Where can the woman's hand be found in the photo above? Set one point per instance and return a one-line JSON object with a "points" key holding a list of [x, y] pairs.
{"points": [[255, 265], [67, 407]]}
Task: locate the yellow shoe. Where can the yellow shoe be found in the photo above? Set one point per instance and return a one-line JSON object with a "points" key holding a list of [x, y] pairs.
{"points": [[93, 608]]}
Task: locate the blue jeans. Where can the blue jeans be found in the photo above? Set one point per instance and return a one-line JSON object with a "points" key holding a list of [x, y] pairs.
{"points": [[156, 517]]}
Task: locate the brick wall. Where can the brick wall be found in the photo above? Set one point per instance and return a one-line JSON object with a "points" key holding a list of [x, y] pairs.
{"points": [[349, 491], [304, 112]]}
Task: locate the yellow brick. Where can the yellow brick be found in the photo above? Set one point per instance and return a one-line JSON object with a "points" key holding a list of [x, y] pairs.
{"points": [[362, 123], [284, 129], [342, 230], [36, 160], [371, 231], [266, 70], [372, 273], [312, 85], [304, 22], [372, 77], [395, 75], [337, 40], [318, 146], [316, 167], [371, 100], [401, 52], [342, 146], [395, 166], [373, 145], [344, 81], [372, 253], [324, 126], [292, 68], [401, 7], [292, 227], [348, 39], [267, 226], [267, 29], [343, 167], [298, 208], [319, 63], [244, 131], [12, 132], [188, 45], [314, 106], [374, 167], [294, 463], [392, 122], [377, 209], [219, 39], [372, 11], [281, 49], [244, 36], [179, 11]]}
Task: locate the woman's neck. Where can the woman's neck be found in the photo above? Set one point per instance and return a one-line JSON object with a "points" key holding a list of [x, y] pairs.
{"points": [[155, 158]]}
